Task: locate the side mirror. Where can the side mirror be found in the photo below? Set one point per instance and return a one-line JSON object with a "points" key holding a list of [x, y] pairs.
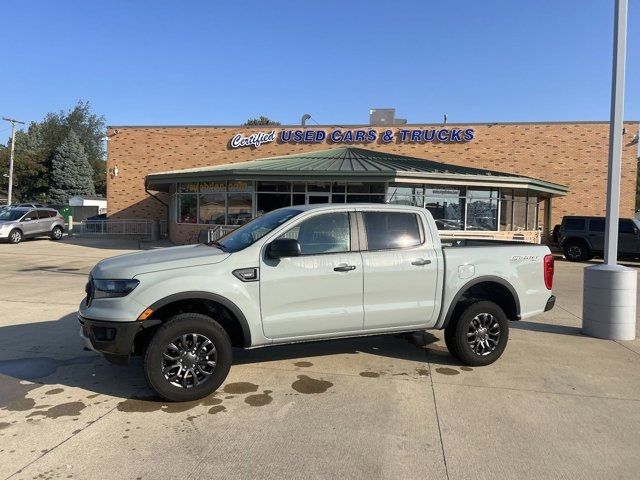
{"points": [[283, 247], [27, 219]]}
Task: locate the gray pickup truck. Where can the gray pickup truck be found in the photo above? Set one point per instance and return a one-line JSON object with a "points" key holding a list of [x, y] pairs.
{"points": [[308, 273]]}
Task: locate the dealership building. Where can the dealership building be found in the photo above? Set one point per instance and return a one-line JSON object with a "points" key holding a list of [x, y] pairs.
{"points": [[489, 180]]}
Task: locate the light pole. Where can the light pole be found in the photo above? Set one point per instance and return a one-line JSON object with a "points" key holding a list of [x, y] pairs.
{"points": [[13, 147], [609, 294]]}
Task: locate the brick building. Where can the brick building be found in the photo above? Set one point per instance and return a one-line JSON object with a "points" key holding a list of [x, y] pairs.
{"points": [[565, 161]]}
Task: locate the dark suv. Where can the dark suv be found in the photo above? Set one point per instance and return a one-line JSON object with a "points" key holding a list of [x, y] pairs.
{"points": [[582, 238]]}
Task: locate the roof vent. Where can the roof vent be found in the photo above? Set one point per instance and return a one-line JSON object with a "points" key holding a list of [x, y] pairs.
{"points": [[385, 116]]}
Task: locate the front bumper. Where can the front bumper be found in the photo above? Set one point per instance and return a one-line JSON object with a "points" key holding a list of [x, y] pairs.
{"points": [[115, 340], [550, 303]]}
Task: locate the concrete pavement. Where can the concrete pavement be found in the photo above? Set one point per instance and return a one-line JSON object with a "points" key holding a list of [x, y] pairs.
{"points": [[557, 405]]}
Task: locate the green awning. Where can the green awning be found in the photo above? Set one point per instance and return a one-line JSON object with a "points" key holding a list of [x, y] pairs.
{"points": [[350, 163]]}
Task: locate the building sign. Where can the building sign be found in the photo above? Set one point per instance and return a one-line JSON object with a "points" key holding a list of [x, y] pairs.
{"points": [[355, 136], [253, 140]]}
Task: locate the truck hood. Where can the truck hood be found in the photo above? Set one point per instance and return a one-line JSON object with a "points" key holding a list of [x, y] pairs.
{"points": [[132, 264]]}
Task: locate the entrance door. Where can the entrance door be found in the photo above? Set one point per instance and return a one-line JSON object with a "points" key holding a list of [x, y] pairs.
{"points": [[318, 197]]}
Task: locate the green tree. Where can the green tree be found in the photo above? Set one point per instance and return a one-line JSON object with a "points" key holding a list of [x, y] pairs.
{"points": [[36, 146], [261, 120], [71, 173]]}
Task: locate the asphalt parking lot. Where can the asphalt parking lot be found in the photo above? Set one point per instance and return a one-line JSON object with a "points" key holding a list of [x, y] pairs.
{"points": [[557, 405]]}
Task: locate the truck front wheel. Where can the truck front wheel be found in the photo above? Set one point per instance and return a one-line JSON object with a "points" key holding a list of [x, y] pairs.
{"points": [[479, 335], [188, 358]]}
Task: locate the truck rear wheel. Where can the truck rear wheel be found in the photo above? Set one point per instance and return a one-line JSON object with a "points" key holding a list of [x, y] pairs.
{"points": [[188, 358], [479, 335]]}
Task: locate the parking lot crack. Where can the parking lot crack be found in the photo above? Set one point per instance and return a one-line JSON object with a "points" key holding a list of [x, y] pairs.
{"points": [[435, 406], [59, 444]]}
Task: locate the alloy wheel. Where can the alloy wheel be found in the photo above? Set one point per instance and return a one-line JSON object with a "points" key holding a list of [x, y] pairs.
{"points": [[483, 334], [189, 360], [574, 251]]}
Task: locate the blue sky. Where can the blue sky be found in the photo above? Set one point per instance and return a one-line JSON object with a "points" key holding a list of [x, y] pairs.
{"points": [[206, 62]]}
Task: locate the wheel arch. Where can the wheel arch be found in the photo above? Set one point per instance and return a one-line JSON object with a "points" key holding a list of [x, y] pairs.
{"points": [[233, 320], [14, 229], [582, 240], [491, 288]]}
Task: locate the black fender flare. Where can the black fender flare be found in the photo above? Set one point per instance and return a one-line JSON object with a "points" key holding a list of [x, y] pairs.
{"points": [[201, 295], [476, 281]]}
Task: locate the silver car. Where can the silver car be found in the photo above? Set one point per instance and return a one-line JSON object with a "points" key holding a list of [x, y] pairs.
{"points": [[23, 222]]}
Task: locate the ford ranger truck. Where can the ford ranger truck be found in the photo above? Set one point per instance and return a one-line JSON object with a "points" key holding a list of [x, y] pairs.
{"points": [[305, 273]]}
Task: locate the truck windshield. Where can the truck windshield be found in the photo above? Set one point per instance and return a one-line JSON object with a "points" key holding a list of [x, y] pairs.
{"points": [[253, 231]]}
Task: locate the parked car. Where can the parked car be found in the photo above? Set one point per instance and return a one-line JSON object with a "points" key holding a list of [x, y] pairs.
{"points": [[308, 273], [582, 238], [26, 205], [21, 222]]}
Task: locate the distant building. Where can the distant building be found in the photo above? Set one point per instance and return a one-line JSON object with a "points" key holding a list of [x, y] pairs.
{"points": [[89, 201], [505, 180]]}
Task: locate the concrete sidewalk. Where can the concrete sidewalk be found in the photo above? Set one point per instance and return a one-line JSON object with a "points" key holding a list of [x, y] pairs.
{"points": [[557, 405]]}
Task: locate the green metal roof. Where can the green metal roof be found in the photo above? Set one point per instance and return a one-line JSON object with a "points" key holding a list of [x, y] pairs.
{"points": [[349, 162]]}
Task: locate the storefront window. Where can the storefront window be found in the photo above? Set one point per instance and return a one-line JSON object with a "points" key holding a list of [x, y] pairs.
{"points": [[212, 208], [506, 209], [405, 194], [482, 209], [239, 208], [187, 209], [267, 202], [447, 205]]}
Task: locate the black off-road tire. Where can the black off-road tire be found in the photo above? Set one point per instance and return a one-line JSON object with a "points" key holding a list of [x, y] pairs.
{"points": [[576, 251], [15, 236], [56, 233], [174, 328], [457, 332]]}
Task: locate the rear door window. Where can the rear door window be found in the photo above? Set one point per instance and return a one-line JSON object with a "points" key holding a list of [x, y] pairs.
{"points": [[391, 230], [574, 224], [44, 214], [596, 225]]}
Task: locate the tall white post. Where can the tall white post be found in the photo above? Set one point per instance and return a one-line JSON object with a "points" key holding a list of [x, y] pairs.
{"points": [[609, 300]]}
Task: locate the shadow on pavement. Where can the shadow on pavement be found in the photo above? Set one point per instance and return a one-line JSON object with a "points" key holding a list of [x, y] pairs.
{"points": [[51, 353], [598, 261], [102, 242], [546, 328]]}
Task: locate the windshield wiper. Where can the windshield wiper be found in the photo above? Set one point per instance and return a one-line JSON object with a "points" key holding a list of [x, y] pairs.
{"points": [[217, 244]]}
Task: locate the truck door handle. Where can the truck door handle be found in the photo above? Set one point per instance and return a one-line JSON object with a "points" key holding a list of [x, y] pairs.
{"points": [[343, 267], [420, 262]]}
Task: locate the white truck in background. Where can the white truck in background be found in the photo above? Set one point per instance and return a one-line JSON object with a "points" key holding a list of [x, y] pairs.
{"points": [[304, 273]]}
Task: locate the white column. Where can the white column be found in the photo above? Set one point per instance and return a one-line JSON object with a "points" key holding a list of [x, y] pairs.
{"points": [[609, 294]]}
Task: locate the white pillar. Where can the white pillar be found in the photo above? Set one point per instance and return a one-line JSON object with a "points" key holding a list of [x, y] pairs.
{"points": [[609, 294]]}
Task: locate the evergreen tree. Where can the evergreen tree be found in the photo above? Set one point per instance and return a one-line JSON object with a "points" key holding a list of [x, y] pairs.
{"points": [[71, 172]]}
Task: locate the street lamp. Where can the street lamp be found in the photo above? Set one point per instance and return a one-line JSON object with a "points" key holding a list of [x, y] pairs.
{"points": [[609, 293]]}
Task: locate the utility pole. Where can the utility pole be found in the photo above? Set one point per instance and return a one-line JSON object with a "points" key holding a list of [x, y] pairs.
{"points": [[13, 147], [609, 295]]}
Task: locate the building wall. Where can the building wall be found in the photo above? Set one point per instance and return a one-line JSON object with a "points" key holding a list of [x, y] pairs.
{"points": [[571, 154]]}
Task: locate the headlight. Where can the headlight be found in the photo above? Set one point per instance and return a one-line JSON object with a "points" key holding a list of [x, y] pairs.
{"points": [[113, 288]]}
